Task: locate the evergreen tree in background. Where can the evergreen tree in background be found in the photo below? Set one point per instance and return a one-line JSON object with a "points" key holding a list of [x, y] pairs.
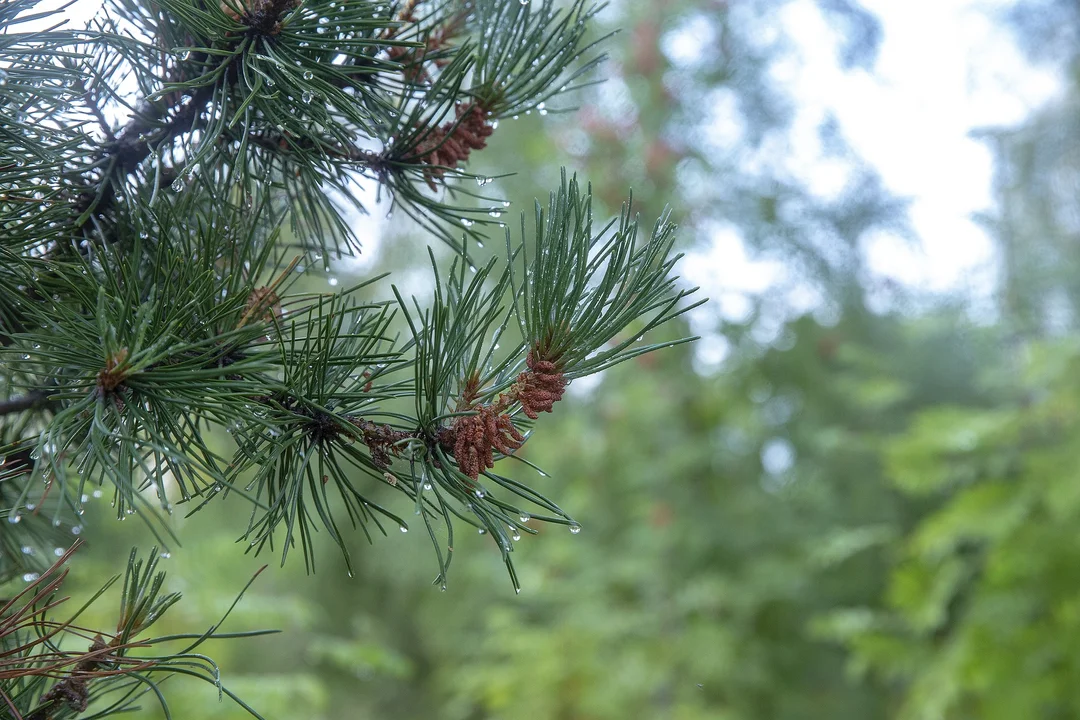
{"points": [[168, 177]]}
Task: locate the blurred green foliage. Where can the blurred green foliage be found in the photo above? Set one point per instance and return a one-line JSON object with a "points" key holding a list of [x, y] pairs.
{"points": [[862, 514]]}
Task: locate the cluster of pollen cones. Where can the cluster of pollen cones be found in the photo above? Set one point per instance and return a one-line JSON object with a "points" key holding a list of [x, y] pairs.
{"points": [[473, 439]]}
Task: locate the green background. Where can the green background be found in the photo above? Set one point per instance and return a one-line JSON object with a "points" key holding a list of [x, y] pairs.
{"points": [[860, 513]]}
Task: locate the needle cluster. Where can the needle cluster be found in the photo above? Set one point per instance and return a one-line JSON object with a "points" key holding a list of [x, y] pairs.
{"points": [[154, 346]]}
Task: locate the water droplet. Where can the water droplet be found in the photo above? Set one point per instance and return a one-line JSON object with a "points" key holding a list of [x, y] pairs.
{"points": [[525, 517], [517, 591], [96, 493], [307, 74], [427, 486], [30, 577], [76, 530], [14, 518], [479, 493], [178, 185], [58, 552], [464, 221], [307, 96], [481, 531], [516, 536], [166, 554], [84, 498], [575, 529], [494, 124], [404, 529], [27, 550], [333, 282]]}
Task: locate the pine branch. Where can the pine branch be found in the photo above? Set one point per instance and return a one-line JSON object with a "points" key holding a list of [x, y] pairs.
{"points": [[30, 401], [40, 678], [134, 143], [91, 101], [174, 318]]}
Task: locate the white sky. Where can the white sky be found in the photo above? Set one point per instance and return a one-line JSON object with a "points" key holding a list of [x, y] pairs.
{"points": [[944, 69]]}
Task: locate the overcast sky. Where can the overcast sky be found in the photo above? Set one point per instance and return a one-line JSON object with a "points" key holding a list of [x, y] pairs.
{"points": [[944, 69]]}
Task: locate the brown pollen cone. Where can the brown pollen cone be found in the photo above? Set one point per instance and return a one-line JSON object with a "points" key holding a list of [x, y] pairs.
{"points": [[476, 437], [540, 387], [72, 690], [440, 38], [381, 440], [451, 144]]}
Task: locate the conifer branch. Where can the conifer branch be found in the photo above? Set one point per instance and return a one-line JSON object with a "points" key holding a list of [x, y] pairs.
{"points": [[30, 401], [51, 681], [90, 100], [135, 142], [176, 317]]}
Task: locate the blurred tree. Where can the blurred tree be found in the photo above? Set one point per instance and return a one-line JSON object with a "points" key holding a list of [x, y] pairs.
{"points": [[718, 595], [978, 619], [980, 614]]}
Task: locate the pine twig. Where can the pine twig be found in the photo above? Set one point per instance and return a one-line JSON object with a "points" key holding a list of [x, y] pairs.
{"points": [[132, 145], [91, 102], [30, 401]]}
